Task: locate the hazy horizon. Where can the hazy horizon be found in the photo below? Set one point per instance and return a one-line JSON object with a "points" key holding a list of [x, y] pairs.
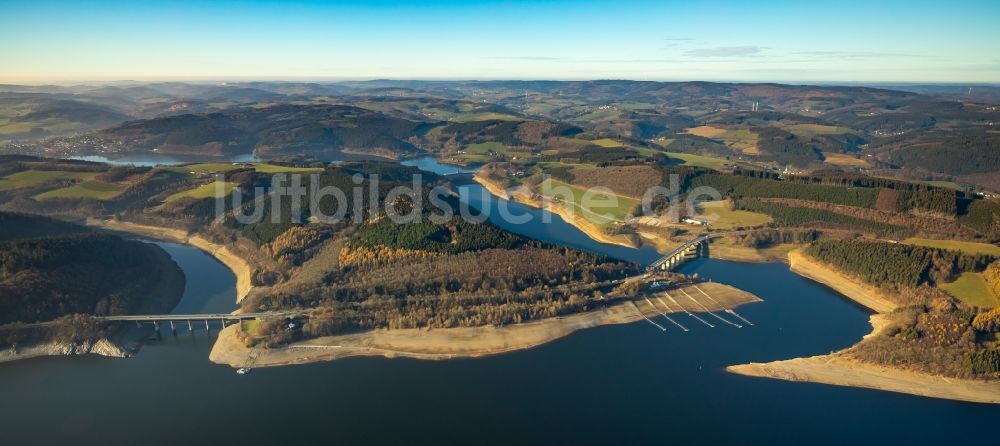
{"points": [[332, 80]]}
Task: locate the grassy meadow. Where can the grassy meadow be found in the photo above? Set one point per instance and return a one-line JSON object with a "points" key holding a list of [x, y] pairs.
{"points": [[955, 245], [972, 289], [811, 130], [606, 142], [731, 219], [842, 159], [594, 212], [202, 168], [742, 140], [209, 190], [709, 162], [93, 189], [31, 178]]}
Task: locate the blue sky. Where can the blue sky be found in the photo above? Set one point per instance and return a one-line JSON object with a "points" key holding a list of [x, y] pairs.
{"points": [[783, 41]]}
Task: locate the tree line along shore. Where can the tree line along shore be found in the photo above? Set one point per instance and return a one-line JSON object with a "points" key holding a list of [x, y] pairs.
{"points": [[898, 248], [355, 277]]}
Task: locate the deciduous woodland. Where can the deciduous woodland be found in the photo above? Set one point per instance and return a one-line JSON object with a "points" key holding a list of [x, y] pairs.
{"points": [[849, 222], [382, 274], [363, 271], [52, 271], [367, 271]]}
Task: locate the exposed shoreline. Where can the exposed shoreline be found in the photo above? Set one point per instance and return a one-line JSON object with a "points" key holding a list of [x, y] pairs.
{"points": [[833, 369], [749, 255], [240, 268], [102, 347], [593, 231], [840, 369], [448, 343], [866, 295], [735, 254], [836, 368]]}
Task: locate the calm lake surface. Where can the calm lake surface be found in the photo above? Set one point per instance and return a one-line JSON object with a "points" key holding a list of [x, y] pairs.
{"points": [[150, 160], [616, 384]]}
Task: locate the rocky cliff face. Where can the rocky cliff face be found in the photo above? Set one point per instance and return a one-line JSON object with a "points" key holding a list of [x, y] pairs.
{"points": [[103, 347]]}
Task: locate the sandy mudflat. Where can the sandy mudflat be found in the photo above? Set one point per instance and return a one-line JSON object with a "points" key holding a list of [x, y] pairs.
{"points": [[239, 267], [839, 370], [743, 254], [459, 342], [867, 295]]}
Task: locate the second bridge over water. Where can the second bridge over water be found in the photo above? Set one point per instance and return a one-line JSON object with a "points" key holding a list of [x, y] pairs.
{"points": [[668, 262], [681, 253]]}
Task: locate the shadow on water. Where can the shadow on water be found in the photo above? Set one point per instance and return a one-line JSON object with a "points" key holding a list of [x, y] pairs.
{"points": [[620, 384]]}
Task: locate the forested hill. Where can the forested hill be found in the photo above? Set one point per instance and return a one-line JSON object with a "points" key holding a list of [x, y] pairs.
{"points": [[267, 131], [928, 133], [60, 269], [15, 226]]}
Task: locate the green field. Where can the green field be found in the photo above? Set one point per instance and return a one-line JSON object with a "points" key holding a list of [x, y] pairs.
{"points": [[271, 168], [811, 130], [967, 247], [203, 191], [484, 148], [709, 162], [606, 142], [479, 152], [841, 159], [52, 125], [29, 178], [730, 219], [250, 326], [972, 289], [740, 139], [469, 158], [226, 167], [469, 117], [222, 105], [598, 115], [203, 168], [15, 120], [94, 189], [601, 215], [945, 184]]}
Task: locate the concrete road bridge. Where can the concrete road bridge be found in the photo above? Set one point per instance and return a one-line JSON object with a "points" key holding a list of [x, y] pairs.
{"points": [[691, 248], [190, 319]]}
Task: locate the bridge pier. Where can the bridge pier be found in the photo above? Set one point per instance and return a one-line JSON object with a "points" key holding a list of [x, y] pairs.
{"points": [[225, 319], [694, 248]]}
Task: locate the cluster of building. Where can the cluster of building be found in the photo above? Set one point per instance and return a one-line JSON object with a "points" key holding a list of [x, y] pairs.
{"points": [[66, 147]]}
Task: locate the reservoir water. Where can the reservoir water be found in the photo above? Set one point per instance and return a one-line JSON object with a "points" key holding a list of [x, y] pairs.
{"points": [[621, 384], [150, 160]]}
